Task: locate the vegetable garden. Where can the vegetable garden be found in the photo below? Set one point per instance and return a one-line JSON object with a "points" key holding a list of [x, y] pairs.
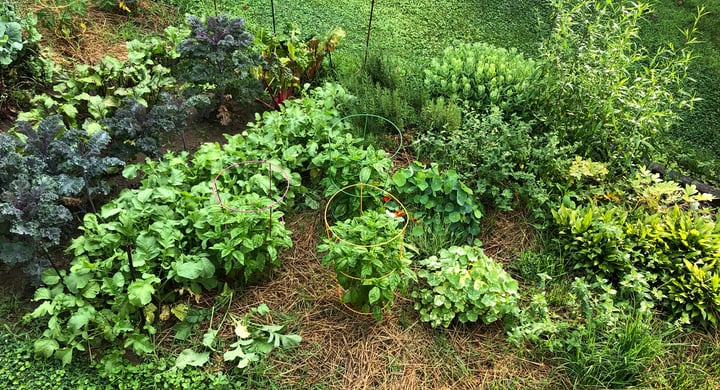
{"points": [[435, 195]]}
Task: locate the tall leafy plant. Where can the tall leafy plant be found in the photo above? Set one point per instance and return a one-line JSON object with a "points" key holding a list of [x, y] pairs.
{"points": [[216, 54], [601, 88]]}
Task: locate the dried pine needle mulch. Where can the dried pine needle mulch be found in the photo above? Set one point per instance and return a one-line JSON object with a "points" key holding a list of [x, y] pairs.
{"points": [[343, 350]]}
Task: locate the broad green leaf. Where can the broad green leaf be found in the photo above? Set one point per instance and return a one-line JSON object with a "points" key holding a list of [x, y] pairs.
{"points": [[45, 347], [374, 295], [399, 178], [50, 277], [140, 291], [188, 357], [64, 355]]}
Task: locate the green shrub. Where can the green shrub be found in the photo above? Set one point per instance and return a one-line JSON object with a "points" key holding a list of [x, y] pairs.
{"points": [[150, 245], [438, 199], [601, 89], [499, 157], [484, 76], [463, 284], [657, 229]]}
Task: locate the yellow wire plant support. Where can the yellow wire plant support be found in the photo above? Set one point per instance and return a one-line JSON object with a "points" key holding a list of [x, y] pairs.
{"points": [[335, 239]]}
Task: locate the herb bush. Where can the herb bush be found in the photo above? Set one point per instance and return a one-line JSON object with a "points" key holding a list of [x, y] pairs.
{"points": [[654, 227], [603, 90], [484, 76], [461, 283], [500, 158], [370, 260], [150, 245]]}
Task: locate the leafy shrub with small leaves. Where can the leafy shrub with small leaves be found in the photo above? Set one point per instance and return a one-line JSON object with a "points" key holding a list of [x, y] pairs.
{"points": [[484, 76], [500, 158], [461, 283]]}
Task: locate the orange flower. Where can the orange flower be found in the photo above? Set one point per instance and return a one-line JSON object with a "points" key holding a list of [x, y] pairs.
{"points": [[386, 198]]}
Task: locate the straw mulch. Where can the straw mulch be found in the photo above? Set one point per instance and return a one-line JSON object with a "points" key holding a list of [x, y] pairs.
{"points": [[344, 350]]}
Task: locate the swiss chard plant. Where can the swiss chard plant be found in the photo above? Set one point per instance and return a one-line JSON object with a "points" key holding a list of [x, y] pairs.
{"points": [[463, 284], [289, 61], [370, 259]]}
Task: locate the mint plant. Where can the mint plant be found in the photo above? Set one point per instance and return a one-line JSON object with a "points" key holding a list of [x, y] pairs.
{"points": [[370, 260], [463, 284]]}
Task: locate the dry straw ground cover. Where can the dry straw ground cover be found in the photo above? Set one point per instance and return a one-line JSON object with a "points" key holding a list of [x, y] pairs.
{"points": [[344, 350]]}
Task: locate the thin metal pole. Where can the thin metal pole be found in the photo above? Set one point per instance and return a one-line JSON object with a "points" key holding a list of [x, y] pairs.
{"points": [[367, 39], [272, 9]]}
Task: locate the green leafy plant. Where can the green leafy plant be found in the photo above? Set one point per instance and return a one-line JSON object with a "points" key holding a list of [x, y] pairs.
{"points": [[602, 89], [370, 260], [289, 61], [150, 245], [461, 283], [438, 200], [23, 69], [135, 128], [50, 169], [659, 230], [216, 54], [484, 76], [92, 93], [255, 340]]}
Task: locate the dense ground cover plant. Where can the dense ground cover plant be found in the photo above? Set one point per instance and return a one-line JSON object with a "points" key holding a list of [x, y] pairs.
{"points": [[370, 260], [602, 89], [484, 76], [603, 336], [654, 227], [462, 284]]}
